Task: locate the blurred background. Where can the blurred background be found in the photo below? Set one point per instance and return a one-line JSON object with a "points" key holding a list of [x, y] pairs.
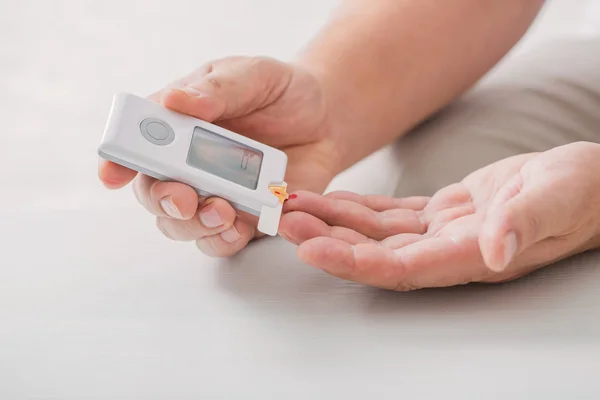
{"points": [[95, 303]]}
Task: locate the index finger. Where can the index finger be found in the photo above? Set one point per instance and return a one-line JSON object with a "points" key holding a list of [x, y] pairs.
{"points": [[353, 215], [432, 262]]}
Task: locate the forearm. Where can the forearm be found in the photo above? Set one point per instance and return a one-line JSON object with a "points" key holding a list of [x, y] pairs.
{"points": [[386, 65]]}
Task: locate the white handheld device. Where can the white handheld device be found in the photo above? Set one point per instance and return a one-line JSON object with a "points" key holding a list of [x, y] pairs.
{"points": [[155, 141]]}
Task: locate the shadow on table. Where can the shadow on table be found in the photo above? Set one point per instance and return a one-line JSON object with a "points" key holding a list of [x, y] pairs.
{"points": [[567, 291]]}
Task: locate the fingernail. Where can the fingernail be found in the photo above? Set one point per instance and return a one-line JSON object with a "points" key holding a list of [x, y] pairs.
{"points": [[166, 203], [510, 248], [231, 235], [190, 91], [210, 217]]}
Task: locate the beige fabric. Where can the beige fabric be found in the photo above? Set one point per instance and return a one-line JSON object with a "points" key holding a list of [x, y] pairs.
{"points": [[533, 102]]}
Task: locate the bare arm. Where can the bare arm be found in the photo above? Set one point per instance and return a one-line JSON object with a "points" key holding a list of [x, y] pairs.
{"points": [[388, 64]]}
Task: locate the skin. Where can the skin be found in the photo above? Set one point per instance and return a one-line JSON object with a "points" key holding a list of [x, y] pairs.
{"points": [[262, 98], [500, 223], [372, 73]]}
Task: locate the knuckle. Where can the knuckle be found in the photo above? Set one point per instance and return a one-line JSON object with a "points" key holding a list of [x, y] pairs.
{"points": [[215, 82], [267, 70], [207, 68]]}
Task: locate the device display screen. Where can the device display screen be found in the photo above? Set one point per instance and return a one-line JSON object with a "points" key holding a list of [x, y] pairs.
{"points": [[225, 158]]}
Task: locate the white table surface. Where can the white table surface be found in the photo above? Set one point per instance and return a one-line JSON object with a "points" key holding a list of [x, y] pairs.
{"points": [[96, 304]]}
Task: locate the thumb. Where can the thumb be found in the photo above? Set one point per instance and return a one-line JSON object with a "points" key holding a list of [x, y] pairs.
{"points": [[229, 88], [520, 216]]}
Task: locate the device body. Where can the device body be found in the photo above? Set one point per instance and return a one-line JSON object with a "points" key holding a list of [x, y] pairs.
{"points": [[155, 141]]}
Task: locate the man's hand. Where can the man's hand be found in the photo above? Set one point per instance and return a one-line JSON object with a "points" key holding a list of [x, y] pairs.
{"points": [[270, 101], [501, 222]]}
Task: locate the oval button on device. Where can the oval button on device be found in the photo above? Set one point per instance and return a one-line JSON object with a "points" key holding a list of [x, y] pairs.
{"points": [[157, 131]]}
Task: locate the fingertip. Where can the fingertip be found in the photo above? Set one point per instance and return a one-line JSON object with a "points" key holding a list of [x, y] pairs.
{"points": [[300, 199], [238, 235], [174, 199], [492, 244], [216, 212], [228, 242], [114, 176], [297, 227]]}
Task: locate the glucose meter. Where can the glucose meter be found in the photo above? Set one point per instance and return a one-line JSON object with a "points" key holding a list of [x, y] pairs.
{"points": [[153, 140]]}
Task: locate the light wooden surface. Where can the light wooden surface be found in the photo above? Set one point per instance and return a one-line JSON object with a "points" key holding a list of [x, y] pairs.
{"points": [[95, 304]]}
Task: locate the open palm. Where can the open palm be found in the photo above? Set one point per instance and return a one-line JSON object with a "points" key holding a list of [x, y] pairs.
{"points": [[501, 222]]}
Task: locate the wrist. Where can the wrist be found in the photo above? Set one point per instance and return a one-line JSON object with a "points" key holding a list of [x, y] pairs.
{"points": [[343, 135]]}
